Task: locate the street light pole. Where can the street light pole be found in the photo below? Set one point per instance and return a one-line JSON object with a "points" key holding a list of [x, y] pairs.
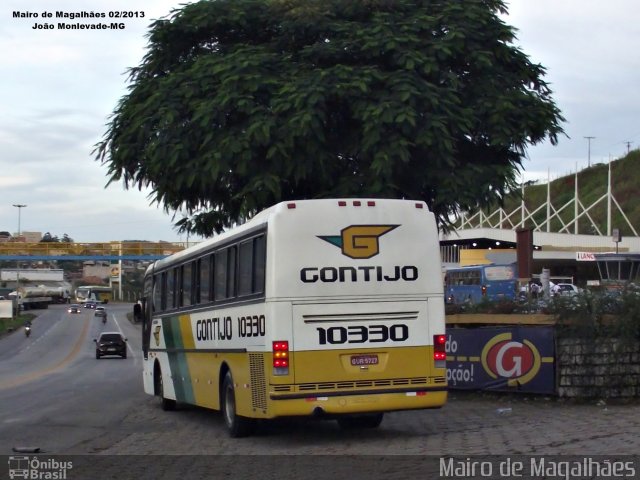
{"points": [[19, 207]]}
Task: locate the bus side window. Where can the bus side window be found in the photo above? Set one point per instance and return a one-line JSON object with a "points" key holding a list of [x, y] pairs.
{"points": [[231, 272], [259, 262], [245, 268], [206, 272], [220, 275], [163, 292], [187, 281]]}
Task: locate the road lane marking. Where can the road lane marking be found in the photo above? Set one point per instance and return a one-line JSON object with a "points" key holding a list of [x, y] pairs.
{"points": [[43, 335], [21, 380], [135, 357]]}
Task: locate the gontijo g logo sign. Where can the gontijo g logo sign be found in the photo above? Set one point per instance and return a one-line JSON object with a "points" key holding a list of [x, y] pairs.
{"points": [[503, 357], [359, 241]]}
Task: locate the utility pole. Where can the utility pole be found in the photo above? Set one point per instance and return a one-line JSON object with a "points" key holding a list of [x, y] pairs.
{"points": [[589, 154], [628, 147]]}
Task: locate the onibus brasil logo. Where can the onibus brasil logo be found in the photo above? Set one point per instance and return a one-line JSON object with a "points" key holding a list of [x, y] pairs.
{"points": [[38, 468], [359, 241]]}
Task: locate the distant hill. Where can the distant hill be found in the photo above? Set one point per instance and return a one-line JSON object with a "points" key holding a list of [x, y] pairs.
{"points": [[592, 186]]}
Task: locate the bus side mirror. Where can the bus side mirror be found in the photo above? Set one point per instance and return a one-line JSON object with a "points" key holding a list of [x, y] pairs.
{"points": [[137, 312]]}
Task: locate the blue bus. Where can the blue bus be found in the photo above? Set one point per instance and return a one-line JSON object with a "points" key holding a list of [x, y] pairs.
{"points": [[481, 282]]}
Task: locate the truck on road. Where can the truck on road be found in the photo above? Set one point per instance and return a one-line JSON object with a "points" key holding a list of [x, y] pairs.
{"points": [[30, 297]]}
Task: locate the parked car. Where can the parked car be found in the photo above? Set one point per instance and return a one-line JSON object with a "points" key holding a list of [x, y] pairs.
{"points": [[111, 343], [74, 308], [565, 289], [100, 312]]}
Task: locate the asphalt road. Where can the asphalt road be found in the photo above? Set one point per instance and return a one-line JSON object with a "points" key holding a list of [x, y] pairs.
{"points": [[54, 393]]}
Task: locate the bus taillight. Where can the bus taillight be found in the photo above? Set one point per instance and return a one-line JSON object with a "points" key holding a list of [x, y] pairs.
{"points": [[484, 290], [439, 353], [281, 357]]}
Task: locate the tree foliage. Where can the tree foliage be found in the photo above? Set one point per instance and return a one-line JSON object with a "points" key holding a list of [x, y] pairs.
{"points": [[48, 238], [239, 104]]}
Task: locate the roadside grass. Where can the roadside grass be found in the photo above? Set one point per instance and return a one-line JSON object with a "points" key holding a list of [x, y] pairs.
{"points": [[10, 324], [592, 186]]}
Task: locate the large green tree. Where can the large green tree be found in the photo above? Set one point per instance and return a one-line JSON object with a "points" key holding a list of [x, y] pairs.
{"points": [[239, 104]]}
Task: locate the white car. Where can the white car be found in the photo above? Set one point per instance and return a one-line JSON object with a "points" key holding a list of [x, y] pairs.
{"points": [[565, 289]]}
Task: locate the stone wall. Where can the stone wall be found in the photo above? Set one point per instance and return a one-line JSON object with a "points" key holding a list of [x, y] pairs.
{"points": [[598, 368]]}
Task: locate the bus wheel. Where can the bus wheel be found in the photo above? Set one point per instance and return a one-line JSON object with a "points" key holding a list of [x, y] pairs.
{"points": [[361, 421], [236, 425], [166, 403]]}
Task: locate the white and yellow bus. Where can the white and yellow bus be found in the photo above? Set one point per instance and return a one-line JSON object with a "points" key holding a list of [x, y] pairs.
{"points": [[97, 293], [327, 308]]}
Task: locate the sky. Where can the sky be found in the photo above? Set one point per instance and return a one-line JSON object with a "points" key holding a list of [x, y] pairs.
{"points": [[58, 88]]}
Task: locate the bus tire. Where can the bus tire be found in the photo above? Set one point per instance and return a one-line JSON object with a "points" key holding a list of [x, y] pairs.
{"points": [[236, 425], [165, 403], [372, 420]]}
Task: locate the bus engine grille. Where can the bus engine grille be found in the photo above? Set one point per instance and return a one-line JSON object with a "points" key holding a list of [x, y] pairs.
{"points": [[258, 382]]}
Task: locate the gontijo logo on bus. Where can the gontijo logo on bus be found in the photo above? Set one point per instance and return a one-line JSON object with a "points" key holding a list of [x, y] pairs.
{"points": [[359, 241], [503, 357]]}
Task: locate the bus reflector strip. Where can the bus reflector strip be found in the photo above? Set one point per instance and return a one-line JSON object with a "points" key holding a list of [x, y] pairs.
{"points": [[416, 394]]}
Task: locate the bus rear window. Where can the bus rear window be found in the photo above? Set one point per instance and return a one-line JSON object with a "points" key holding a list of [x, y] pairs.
{"points": [[503, 272]]}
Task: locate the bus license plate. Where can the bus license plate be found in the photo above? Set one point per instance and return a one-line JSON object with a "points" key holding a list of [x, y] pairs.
{"points": [[364, 360]]}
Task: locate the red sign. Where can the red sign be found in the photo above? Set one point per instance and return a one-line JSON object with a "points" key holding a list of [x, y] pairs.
{"points": [[510, 359]]}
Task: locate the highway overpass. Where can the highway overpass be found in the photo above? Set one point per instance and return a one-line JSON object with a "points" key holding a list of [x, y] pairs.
{"points": [[109, 251]]}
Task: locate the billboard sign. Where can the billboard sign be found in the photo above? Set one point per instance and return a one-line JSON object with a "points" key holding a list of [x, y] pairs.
{"points": [[517, 358], [115, 271], [6, 308], [585, 257]]}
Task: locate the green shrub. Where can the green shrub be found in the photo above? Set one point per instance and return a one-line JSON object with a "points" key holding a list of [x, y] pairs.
{"points": [[599, 314]]}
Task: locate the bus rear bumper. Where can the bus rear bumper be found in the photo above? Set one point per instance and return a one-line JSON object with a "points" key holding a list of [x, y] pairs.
{"points": [[321, 404]]}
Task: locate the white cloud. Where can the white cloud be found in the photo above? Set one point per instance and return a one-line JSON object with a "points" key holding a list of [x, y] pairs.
{"points": [[588, 48]]}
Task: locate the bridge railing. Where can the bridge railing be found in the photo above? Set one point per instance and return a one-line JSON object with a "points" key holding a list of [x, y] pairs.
{"points": [[90, 249]]}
